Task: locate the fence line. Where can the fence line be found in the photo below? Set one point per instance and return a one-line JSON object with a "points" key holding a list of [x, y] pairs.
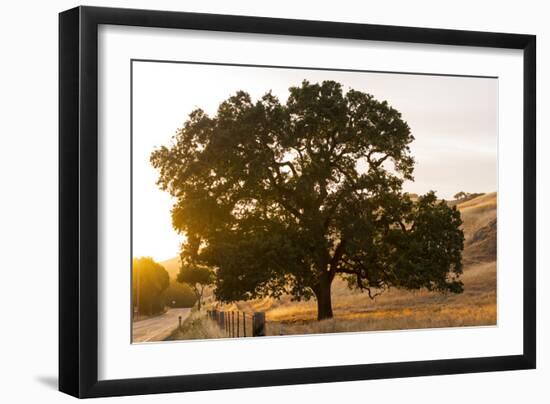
{"points": [[226, 321]]}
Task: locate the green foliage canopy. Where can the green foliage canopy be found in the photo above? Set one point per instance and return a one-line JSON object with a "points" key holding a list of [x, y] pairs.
{"points": [[281, 197], [197, 277], [149, 280], [179, 295], [461, 195]]}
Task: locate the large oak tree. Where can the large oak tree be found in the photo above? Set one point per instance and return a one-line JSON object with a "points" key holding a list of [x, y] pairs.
{"points": [[282, 197]]}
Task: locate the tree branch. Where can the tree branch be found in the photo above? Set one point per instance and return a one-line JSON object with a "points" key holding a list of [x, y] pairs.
{"points": [[289, 165], [338, 252], [371, 296], [362, 287], [376, 163], [341, 270], [281, 190], [332, 209]]}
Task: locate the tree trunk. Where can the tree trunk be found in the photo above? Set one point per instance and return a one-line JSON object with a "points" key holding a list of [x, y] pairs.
{"points": [[323, 295]]}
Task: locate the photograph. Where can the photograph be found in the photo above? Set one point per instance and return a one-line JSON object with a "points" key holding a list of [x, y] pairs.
{"points": [[276, 201]]}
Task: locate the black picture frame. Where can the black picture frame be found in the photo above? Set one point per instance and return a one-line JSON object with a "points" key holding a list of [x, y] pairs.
{"points": [[78, 201]]}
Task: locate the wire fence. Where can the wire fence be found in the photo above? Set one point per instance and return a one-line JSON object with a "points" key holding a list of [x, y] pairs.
{"points": [[238, 324]]}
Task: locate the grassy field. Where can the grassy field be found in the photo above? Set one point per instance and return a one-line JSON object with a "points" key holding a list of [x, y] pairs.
{"points": [[397, 309]]}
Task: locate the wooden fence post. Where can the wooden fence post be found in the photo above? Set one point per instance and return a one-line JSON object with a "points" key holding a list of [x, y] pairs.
{"points": [[179, 322], [244, 324], [258, 324], [238, 317], [221, 322]]}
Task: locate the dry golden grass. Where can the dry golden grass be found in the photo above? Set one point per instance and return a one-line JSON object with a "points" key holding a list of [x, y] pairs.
{"points": [[485, 199], [431, 317], [477, 212], [197, 326]]}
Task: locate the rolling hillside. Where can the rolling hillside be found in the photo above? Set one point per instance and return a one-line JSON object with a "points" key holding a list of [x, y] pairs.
{"points": [[480, 228], [172, 266]]}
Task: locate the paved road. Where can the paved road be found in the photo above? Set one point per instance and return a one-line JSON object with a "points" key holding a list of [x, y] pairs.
{"points": [[159, 327]]}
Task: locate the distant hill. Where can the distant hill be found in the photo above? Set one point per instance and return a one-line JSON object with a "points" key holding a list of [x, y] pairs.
{"points": [[465, 199], [480, 228], [172, 266], [489, 199]]}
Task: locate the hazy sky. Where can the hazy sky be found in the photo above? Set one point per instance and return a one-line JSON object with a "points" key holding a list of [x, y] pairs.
{"points": [[453, 119]]}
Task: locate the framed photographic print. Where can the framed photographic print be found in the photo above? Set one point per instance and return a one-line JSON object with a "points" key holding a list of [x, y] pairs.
{"points": [[251, 201]]}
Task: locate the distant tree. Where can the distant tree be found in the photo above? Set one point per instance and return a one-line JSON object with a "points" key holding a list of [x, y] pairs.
{"points": [[149, 280], [280, 198], [197, 277], [179, 295], [461, 195]]}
